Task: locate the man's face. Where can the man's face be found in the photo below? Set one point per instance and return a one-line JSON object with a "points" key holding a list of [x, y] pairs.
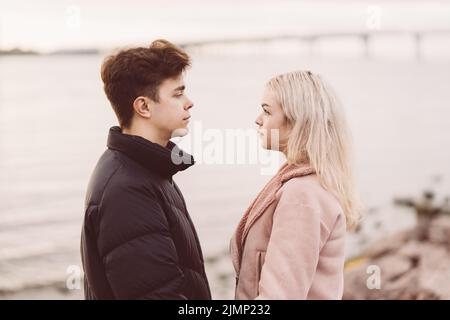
{"points": [[170, 115]]}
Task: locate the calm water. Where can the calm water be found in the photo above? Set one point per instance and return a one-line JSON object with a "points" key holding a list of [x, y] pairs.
{"points": [[54, 120]]}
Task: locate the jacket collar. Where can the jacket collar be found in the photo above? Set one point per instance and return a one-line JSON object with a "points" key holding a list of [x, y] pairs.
{"points": [[263, 200], [165, 161]]}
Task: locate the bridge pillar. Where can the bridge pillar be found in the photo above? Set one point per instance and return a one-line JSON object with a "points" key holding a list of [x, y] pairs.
{"points": [[418, 45], [365, 39]]}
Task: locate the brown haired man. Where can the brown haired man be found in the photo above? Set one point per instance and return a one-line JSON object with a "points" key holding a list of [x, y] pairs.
{"points": [[138, 240]]}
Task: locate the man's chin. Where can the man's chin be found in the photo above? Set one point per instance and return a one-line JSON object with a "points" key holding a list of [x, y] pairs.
{"points": [[180, 132]]}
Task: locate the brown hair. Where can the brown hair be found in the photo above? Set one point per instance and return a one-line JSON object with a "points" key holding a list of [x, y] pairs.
{"points": [[138, 72]]}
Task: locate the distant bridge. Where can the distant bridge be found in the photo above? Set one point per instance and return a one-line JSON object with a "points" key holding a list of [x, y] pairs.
{"points": [[311, 38]]}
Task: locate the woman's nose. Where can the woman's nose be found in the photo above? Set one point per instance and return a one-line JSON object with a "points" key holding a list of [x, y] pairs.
{"points": [[258, 121]]}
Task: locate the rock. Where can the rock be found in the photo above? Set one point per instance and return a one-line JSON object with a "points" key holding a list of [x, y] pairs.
{"points": [[411, 249], [439, 231], [355, 283], [434, 272], [408, 267], [388, 244], [393, 267]]}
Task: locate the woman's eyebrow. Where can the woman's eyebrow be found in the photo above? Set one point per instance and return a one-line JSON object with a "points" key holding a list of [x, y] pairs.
{"points": [[264, 105]]}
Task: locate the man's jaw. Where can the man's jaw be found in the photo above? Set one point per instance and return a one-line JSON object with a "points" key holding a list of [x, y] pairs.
{"points": [[180, 132]]}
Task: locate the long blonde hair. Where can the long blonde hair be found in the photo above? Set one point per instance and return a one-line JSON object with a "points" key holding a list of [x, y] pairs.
{"points": [[319, 135]]}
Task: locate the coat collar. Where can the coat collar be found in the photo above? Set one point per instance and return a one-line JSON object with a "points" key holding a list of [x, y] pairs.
{"points": [[165, 161], [263, 200]]}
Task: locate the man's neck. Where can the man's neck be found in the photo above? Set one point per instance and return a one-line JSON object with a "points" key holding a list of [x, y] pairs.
{"points": [[146, 133]]}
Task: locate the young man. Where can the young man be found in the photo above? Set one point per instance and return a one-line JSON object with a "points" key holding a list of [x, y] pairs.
{"points": [[138, 240]]}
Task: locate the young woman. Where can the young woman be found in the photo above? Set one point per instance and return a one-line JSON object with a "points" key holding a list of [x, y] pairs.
{"points": [[290, 242]]}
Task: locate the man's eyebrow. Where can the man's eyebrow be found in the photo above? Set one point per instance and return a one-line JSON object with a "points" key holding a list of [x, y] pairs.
{"points": [[180, 88]]}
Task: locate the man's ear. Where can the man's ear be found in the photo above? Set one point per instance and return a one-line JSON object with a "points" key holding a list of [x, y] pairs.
{"points": [[142, 106]]}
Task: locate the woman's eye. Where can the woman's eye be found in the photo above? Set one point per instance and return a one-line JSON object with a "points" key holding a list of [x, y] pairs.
{"points": [[266, 112]]}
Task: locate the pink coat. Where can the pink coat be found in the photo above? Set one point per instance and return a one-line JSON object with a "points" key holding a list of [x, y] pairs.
{"points": [[290, 242]]}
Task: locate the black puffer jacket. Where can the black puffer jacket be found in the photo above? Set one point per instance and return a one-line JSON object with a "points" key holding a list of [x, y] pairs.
{"points": [[138, 240]]}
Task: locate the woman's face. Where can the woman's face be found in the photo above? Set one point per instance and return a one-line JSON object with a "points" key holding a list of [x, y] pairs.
{"points": [[273, 127]]}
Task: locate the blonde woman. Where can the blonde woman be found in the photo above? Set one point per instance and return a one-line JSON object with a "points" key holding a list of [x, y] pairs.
{"points": [[290, 242]]}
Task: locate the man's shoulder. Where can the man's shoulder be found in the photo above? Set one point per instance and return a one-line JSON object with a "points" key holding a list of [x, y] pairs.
{"points": [[104, 170], [115, 173], [118, 190]]}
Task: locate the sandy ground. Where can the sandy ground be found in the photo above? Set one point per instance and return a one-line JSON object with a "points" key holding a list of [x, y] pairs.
{"points": [[218, 269], [46, 293]]}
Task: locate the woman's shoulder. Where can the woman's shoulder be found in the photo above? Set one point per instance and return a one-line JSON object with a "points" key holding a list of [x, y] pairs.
{"points": [[308, 191]]}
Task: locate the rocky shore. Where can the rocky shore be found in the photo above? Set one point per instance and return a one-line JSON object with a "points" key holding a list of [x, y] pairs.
{"points": [[414, 264]]}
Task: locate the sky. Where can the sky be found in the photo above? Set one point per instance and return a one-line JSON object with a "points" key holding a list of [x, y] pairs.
{"points": [[48, 25]]}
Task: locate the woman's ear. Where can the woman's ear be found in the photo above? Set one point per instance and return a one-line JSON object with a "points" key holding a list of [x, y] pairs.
{"points": [[141, 106]]}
